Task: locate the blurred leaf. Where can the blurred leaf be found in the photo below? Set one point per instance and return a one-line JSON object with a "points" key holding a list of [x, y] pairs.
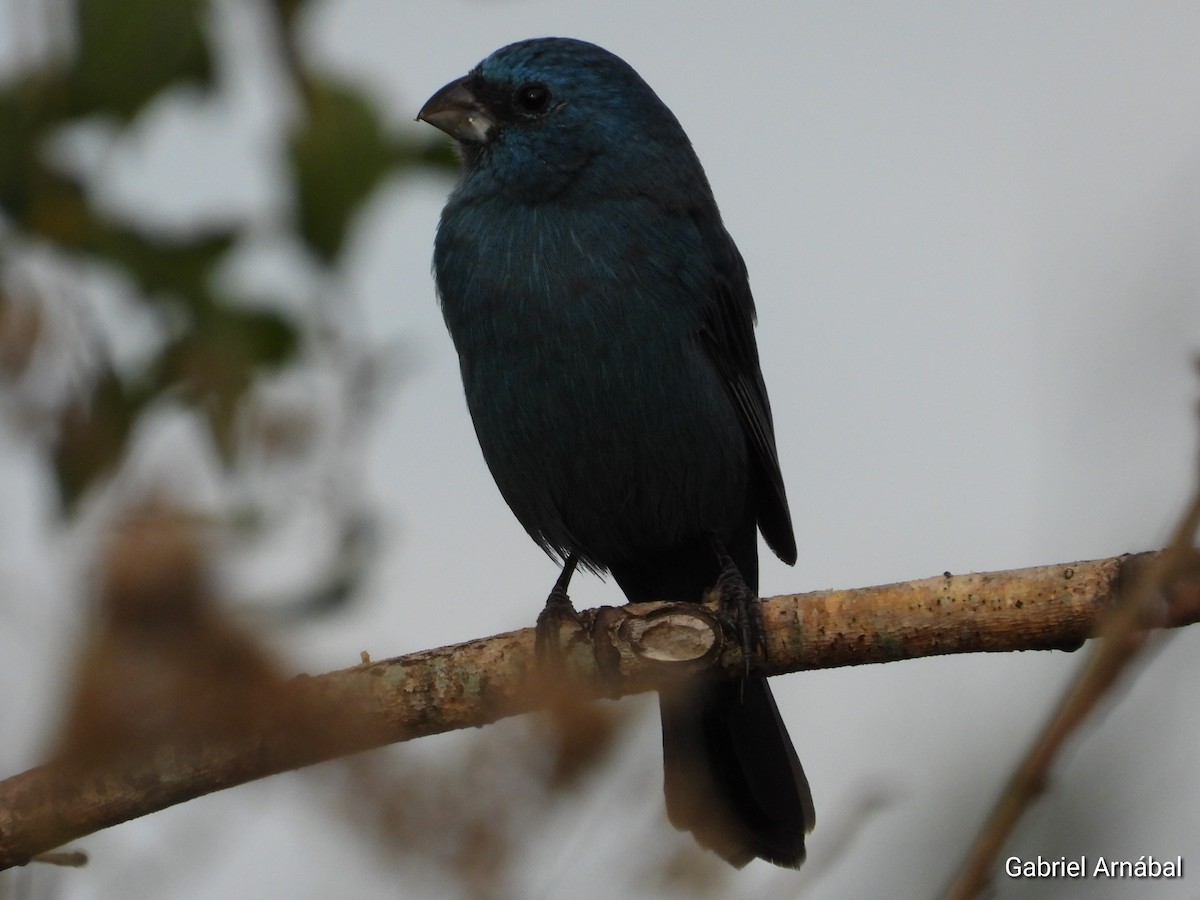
{"points": [[215, 362], [28, 111], [338, 155], [159, 626], [270, 338], [16, 148], [92, 436], [288, 11], [129, 50], [161, 265], [21, 327], [57, 209]]}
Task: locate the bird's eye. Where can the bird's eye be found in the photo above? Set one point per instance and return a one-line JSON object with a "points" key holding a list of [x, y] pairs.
{"points": [[533, 98]]}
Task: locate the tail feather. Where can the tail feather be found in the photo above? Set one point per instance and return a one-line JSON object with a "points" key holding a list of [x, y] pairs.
{"points": [[732, 777]]}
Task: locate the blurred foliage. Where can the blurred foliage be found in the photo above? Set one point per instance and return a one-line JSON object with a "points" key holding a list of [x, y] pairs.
{"points": [[129, 50], [121, 55], [92, 435], [20, 330], [338, 156]]}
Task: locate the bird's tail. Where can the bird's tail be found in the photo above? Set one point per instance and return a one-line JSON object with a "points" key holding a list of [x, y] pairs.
{"points": [[732, 777]]}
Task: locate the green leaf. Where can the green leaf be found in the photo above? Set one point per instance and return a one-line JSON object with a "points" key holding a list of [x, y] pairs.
{"points": [[29, 110], [288, 12], [271, 340], [92, 435], [214, 363], [338, 156], [162, 266], [129, 50]]}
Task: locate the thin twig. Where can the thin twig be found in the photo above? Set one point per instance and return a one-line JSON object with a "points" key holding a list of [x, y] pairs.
{"points": [[1123, 633]]}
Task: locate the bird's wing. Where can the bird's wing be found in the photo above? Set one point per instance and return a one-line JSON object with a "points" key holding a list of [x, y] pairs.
{"points": [[728, 338]]}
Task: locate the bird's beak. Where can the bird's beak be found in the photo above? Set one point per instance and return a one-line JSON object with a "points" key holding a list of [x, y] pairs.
{"points": [[457, 111]]}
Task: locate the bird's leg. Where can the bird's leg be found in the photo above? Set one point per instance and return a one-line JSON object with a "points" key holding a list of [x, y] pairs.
{"points": [[558, 610], [739, 608]]}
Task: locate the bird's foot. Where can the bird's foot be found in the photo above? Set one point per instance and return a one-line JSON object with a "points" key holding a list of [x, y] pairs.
{"points": [[550, 621], [739, 609], [557, 612]]}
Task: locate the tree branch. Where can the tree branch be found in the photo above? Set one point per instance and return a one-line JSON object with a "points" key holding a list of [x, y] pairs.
{"points": [[619, 651]]}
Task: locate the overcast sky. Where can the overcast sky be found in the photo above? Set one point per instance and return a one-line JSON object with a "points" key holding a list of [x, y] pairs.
{"points": [[973, 234]]}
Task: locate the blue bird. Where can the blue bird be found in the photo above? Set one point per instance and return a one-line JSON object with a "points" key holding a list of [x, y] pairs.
{"points": [[605, 333]]}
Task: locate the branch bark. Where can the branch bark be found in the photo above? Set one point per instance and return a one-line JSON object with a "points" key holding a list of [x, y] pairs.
{"points": [[618, 651]]}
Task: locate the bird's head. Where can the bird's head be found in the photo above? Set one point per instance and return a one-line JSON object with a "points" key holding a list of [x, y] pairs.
{"points": [[537, 115]]}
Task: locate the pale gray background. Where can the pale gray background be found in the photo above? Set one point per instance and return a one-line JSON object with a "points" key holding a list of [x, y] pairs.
{"points": [[973, 233]]}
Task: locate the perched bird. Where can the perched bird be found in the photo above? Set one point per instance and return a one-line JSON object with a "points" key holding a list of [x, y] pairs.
{"points": [[605, 333]]}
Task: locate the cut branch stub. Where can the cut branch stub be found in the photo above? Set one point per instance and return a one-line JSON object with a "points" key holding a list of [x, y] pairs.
{"points": [[619, 650], [673, 635], [681, 637]]}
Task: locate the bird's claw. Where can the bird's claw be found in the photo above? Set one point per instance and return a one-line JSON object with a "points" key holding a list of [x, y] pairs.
{"points": [[557, 612], [550, 621], [739, 611]]}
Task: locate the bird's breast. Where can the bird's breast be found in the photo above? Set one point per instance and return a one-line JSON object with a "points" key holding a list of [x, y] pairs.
{"points": [[601, 418]]}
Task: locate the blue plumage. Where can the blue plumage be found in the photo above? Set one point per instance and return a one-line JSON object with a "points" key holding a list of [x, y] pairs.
{"points": [[604, 326]]}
